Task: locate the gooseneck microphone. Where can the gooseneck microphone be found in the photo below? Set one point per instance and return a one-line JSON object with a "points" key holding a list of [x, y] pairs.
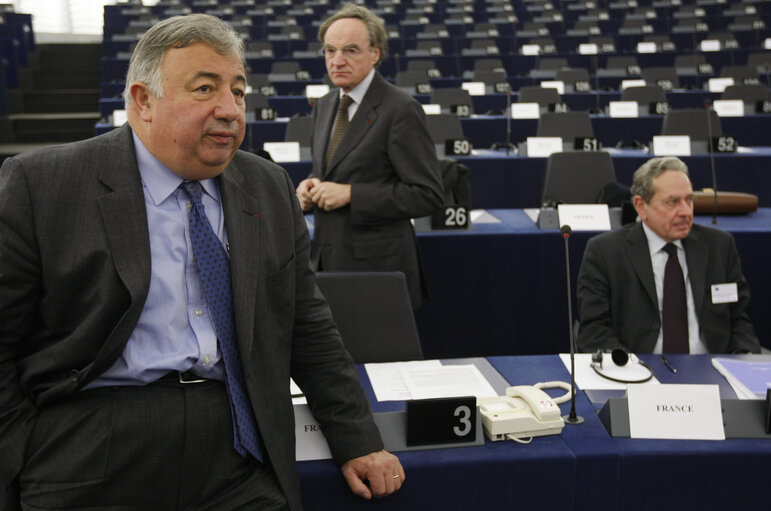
{"points": [[710, 144], [571, 418]]}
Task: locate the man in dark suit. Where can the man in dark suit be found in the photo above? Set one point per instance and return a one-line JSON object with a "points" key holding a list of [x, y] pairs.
{"points": [[624, 283], [369, 180], [121, 382]]}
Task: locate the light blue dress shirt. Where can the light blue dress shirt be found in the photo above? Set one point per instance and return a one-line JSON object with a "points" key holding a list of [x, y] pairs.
{"points": [[175, 331]]}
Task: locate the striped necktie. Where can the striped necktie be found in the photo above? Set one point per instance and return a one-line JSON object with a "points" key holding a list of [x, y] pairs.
{"points": [[341, 124]]}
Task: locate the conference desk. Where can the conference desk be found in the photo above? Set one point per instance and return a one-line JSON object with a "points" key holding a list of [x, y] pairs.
{"points": [[506, 181], [583, 468], [500, 288]]}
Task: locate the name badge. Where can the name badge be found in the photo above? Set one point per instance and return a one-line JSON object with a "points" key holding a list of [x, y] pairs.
{"points": [[725, 293]]}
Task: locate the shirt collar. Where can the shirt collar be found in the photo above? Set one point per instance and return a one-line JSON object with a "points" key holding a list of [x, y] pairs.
{"points": [[655, 242], [358, 92], [159, 181]]}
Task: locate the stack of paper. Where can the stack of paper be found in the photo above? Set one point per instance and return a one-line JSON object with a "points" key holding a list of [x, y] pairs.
{"points": [[750, 379]]}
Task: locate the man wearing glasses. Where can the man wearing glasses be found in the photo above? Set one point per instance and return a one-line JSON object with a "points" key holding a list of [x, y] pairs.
{"points": [[374, 163]]}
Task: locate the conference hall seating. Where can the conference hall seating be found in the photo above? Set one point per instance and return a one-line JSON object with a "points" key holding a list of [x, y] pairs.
{"points": [[665, 56]]}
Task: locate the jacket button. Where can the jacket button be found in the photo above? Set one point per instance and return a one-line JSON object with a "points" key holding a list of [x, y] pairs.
{"points": [[75, 376]]}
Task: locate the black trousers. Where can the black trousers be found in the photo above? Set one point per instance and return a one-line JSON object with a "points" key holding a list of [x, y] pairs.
{"points": [[164, 446]]}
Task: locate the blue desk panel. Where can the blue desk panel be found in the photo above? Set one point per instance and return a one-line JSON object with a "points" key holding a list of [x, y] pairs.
{"points": [[500, 289]]}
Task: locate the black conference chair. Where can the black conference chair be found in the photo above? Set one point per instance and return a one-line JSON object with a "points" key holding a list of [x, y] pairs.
{"points": [[444, 127], [450, 98], [740, 74], [373, 314], [300, 129], [544, 96], [664, 77], [575, 79], [644, 96], [413, 82], [693, 122], [748, 93], [577, 177], [567, 125]]}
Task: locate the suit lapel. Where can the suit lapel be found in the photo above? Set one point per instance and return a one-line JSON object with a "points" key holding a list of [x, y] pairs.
{"points": [[638, 253], [327, 108], [124, 214], [125, 226], [242, 224], [366, 115], [697, 259]]}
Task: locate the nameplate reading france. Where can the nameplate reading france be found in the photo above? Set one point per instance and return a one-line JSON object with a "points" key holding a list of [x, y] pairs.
{"points": [[444, 420], [675, 412]]}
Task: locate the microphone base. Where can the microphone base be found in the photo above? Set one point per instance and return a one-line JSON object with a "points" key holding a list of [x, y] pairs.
{"points": [[575, 421]]}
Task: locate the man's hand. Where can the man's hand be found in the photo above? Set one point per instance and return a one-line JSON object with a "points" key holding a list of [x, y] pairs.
{"points": [[377, 474], [303, 192], [328, 195]]}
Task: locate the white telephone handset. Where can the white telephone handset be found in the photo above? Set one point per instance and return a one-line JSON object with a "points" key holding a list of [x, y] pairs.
{"points": [[524, 412]]}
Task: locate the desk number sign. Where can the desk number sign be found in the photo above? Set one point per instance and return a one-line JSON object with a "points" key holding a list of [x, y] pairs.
{"points": [[441, 421], [450, 217], [457, 147]]}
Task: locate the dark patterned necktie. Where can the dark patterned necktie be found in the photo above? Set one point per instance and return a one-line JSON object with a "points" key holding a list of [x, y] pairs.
{"points": [[341, 124], [674, 313], [214, 268]]}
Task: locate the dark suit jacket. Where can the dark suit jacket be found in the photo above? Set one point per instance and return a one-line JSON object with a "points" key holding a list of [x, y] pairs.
{"points": [[389, 159], [617, 299], [75, 272]]}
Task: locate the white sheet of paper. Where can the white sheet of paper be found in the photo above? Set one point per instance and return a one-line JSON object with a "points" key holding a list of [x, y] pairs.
{"points": [[474, 88], [587, 379], [584, 217], [679, 412], [671, 145], [447, 381], [119, 117], [543, 146], [386, 378], [283, 151], [729, 107], [525, 111], [624, 109], [298, 398]]}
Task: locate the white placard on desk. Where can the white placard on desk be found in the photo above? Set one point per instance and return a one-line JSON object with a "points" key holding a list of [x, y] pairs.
{"points": [[646, 47], [432, 108], [283, 151], [671, 145], [525, 110], [710, 45], [310, 443], [474, 88], [719, 84], [584, 217], [119, 117], [767, 43], [588, 49], [729, 107], [543, 146], [635, 82], [554, 84], [677, 412], [531, 49], [624, 109], [316, 90]]}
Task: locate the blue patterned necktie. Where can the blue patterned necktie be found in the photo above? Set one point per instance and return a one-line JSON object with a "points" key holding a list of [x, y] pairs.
{"points": [[214, 268]]}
